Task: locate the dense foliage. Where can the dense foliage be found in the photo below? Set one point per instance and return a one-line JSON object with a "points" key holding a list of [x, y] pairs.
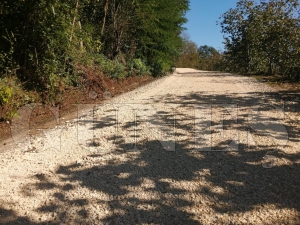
{"points": [[210, 58], [203, 57], [43, 42], [263, 37], [189, 57]]}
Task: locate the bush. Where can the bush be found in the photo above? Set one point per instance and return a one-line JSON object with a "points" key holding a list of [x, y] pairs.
{"points": [[137, 67], [12, 96], [111, 68], [6, 94], [159, 69]]}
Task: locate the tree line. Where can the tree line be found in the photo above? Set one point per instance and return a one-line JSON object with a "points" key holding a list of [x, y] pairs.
{"points": [[260, 37], [263, 37], [202, 57], [43, 42]]}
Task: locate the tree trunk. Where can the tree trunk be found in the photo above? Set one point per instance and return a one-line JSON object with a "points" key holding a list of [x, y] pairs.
{"points": [[104, 18], [270, 70], [74, 20]]}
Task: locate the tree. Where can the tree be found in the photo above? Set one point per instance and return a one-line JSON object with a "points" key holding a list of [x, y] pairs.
{"points": [[207, 51], [210, 58], [143, 29], [42, 41], [158, 32], [189, 57], [35, 37], [263, 37], [44, 45]]}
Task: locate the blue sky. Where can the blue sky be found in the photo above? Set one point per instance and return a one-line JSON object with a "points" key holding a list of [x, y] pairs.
{"points": [[202, 17]]}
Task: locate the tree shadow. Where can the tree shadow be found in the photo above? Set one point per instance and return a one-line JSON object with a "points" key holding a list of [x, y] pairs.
{"points": [[150, 185], [158, 187]]}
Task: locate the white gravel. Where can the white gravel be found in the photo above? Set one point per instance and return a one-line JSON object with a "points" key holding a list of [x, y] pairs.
{"points": [[195, 147]]}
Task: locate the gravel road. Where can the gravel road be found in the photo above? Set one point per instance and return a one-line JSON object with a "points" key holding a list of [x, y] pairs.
{"points": [[194, 147]]}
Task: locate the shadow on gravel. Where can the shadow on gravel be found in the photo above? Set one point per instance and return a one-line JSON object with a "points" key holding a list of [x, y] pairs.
{"points": [[178, 187], [245, 185]]}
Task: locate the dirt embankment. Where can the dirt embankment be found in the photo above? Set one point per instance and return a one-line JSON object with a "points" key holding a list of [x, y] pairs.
{"points": [[96, 88]]}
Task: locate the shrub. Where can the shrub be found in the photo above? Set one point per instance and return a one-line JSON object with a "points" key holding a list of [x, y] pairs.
{"points": [[159, 69], [111, 68], [6, 94], [12, 97], [137, 67]]}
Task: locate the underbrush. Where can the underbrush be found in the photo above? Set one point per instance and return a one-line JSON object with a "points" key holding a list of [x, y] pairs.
{"points": [[86, 86], [48, 79], [13, 96]]}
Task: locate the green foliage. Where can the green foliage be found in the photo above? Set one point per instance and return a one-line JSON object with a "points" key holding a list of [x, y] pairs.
{"points": [[112, 68], [157, 69], [147, 30], [205, 51], [263, 37], [189, 56], [12, 97], [42, 43], [137, 66], [7, 61], [6, 94], [210, 59], [204, 58], [158, 32]]}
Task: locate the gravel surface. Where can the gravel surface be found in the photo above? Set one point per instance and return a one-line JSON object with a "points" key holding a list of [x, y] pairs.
{"points": [[194, 147]]}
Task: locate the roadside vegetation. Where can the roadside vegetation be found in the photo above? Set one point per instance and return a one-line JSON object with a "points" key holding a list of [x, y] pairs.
{"points": [[203, 57], [48, 47], [261, 38]]}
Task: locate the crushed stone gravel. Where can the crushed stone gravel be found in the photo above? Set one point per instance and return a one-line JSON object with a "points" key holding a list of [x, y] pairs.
{"points": [[195, 147]]}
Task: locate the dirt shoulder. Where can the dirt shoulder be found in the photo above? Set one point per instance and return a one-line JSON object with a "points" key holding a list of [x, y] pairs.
{"points": [[42, 116]]}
